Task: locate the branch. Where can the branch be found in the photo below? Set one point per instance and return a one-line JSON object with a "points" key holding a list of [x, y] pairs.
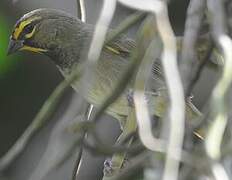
{"points": [[218, 105], [177, 104], [193, 24], [39, 121]]}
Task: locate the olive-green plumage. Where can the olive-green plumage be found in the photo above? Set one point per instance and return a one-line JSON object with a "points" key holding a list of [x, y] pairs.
{"points": [[66, 40]]}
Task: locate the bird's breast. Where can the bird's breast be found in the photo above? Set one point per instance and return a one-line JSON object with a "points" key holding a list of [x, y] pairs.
{"points": [[105, 78]]}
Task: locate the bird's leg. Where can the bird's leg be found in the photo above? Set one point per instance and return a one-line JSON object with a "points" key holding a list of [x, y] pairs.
{"points": [[113, 166], [109, 168], [130, 97]]}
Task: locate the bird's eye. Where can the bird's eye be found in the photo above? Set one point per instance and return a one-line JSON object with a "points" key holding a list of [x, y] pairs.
{"points": [[28, 29]]}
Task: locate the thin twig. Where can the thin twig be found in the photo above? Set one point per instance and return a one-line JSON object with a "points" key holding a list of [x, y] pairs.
{"points": [[219, 108], [143, 118], [173, 81], [177, 103], [218, 103], [81, 14], [123, 26], [39, 121], [81, 143], [102, 149], [193, 24], [197, 74], [81, 10]]}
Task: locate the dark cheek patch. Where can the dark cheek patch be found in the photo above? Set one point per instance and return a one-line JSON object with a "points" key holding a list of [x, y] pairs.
{"points": [[31, 43]]}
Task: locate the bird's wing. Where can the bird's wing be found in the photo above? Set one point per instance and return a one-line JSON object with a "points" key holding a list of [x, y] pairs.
{"points": [[121, 46]]}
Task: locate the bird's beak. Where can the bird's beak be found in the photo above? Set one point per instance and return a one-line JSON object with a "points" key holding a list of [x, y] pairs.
{"points": [[14, 45]]}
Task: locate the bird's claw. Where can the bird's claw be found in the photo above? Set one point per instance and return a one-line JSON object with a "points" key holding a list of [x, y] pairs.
{"points": [[130, 97], [109, 168]]}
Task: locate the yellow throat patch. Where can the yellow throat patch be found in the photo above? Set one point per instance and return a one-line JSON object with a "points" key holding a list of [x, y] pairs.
{"points": [[33, 49]]}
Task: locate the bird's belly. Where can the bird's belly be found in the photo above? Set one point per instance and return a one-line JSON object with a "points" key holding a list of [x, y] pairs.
{"points": [[157, 101], [98, 92], [106, 75]]}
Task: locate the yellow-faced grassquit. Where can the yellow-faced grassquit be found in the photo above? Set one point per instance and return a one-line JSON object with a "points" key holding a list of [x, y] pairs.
{"points": [[64, 38]]}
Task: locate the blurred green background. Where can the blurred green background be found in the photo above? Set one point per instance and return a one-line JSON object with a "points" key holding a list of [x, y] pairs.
{"points": [[26, 80]]}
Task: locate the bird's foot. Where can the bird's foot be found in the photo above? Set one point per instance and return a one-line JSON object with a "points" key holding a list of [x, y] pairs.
{"points": [[110, 169], [130, 97]]}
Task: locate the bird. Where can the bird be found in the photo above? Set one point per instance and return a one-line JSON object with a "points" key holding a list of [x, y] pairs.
{"points": [[65, 40]]}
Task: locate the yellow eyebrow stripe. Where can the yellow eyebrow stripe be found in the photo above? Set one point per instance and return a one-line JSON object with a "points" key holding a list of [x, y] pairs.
{"points": [[22, 25]]}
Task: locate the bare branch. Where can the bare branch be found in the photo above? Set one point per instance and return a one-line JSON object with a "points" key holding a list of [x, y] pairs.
{"points": [[193, 24], [39, 121], [173, 80], [219, 110], [143, 117], [81, 10]]}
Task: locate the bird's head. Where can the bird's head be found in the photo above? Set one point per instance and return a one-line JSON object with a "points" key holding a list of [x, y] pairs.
{"points": [[46, 31]]}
